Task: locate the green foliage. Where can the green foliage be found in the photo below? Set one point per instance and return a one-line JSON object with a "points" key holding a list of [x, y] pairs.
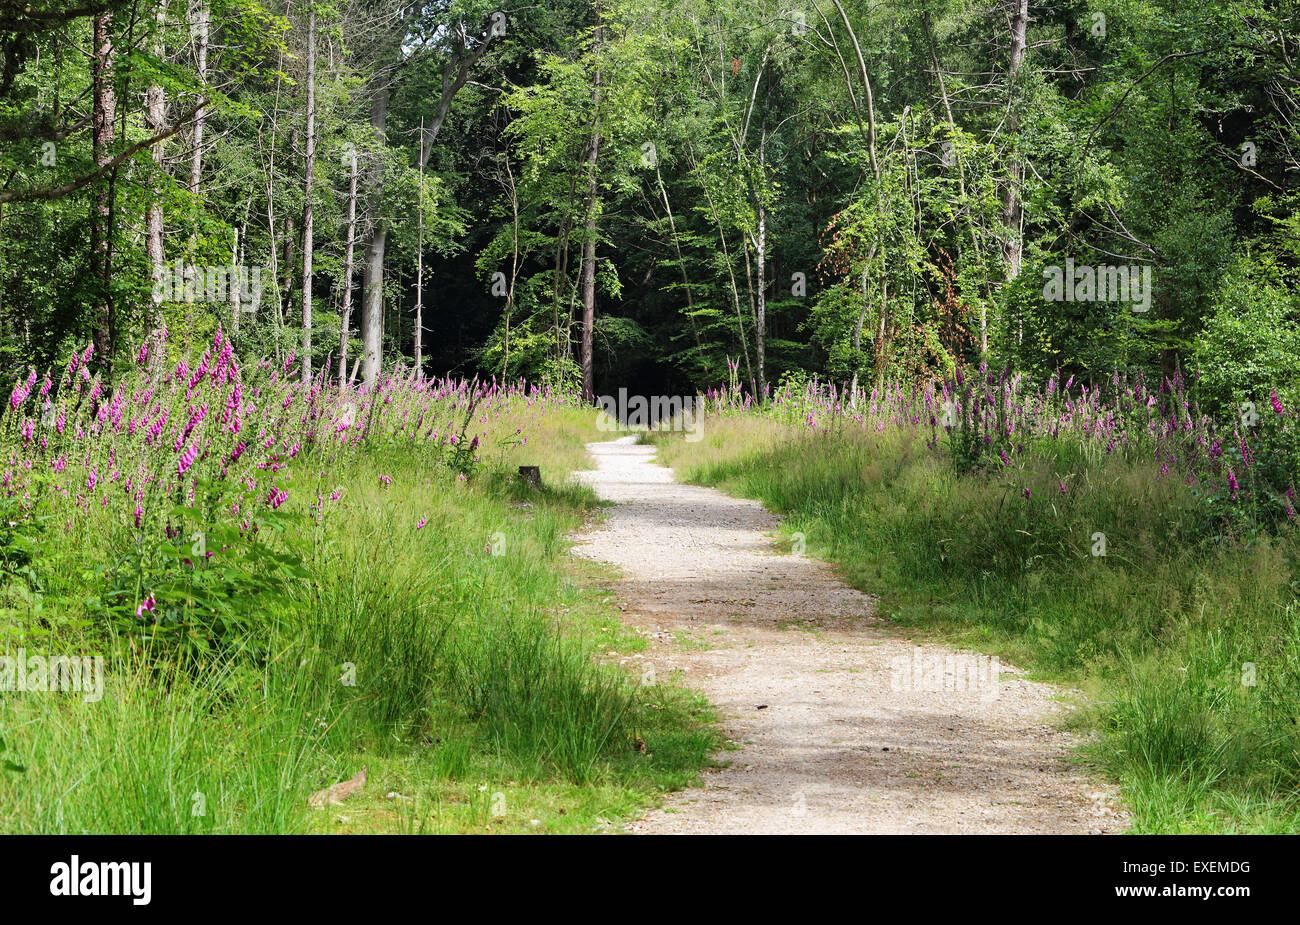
{"points": [[211, 587], [1250, 346]]}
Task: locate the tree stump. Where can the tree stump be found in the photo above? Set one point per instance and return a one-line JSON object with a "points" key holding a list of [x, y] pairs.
{"points": [[531, 476]]}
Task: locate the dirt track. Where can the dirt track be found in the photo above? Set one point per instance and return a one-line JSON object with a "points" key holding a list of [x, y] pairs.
{"points": [[843, 725]]}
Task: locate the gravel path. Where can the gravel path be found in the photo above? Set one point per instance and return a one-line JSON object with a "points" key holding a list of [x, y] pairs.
{"points": [[842, 724]]}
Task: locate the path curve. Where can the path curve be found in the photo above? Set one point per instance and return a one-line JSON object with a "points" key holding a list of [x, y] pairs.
{"points": [[834, 734]]}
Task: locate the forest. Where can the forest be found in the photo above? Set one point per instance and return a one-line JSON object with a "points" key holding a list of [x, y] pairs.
{"points": [[994, 303], [633, 193]]}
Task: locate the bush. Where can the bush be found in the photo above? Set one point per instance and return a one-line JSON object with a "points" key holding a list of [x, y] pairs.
{"points": [[1250, 345]]}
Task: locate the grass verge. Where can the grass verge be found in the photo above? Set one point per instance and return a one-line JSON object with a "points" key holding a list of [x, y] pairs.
{"points": [[1094, 571], [438, 638]]}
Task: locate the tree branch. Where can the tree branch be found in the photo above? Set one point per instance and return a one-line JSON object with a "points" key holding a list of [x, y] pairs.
{"points": [[58, 192]]}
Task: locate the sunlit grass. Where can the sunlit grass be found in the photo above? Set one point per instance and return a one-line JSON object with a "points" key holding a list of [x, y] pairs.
{"points": [[442, 641], [1187, 641]]}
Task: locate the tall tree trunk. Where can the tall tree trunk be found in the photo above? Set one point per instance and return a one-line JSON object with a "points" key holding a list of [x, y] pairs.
{"points": [[372, 292], [273, 246], [453, 78], [104, 106], [156, 104], [372, 296], [514, 264], [589, 243], [199, 31], [418, 347], [347, 267], [1011, 209], [308, 170], [871, 96]]}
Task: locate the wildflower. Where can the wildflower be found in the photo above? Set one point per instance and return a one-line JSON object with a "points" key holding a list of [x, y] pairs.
{"points": [[386, 480], [187, 458], [22, 390], [1277, 404], [1061, 485], [421, 524], [148, 604], [1026, 494], [1232, 484]]}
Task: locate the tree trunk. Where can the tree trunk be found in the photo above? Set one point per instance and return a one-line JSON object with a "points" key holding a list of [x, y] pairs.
{"points": [[156, 103], [589, 244], [726, 258], [347, 268], [514, 264], [372, 292], [104, 106], [308, 169], [199, 30], [1011, 209], [418, 346]]}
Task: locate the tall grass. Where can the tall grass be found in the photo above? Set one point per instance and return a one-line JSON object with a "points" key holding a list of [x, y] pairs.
{"points": [[1184, 632], [404, 607]]}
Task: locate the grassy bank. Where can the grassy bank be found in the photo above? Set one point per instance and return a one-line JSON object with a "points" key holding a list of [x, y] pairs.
{"points": [[1082, 566], [406, 611]]}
